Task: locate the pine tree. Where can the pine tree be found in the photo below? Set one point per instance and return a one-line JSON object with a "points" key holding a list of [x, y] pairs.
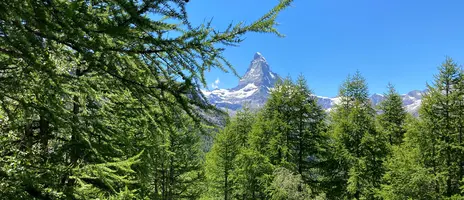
{"points": [[429, 162], [308, 127], [85, 85], [441, 112], [289, 130], [271, 135], [407, 176], [361, 148], [393, 116], [251, 174], [177, 166], [220, 162]]}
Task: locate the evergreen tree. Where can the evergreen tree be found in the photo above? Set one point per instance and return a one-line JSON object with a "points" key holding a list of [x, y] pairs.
{"points": [[251, 174], [441, 113], [85, 85], [308, 129], [430, 160], [361, 148], [289, 130], [271, 135], [392, 117], [407, 176], [220, 162], [177, 166]]}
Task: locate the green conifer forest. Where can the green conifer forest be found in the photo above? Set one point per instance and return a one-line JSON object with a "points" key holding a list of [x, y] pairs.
{"points": [[102, 100]]}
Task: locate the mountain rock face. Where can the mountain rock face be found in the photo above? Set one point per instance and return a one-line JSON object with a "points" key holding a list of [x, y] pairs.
{"points": [[258, 74], [252, 89], [255, 86]]}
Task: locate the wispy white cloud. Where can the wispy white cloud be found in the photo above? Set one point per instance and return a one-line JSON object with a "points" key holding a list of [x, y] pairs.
{"points": [[215, 85]]}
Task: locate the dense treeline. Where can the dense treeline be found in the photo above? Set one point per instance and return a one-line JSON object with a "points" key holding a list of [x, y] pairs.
{"points": [[101, 100], [356, 151]]}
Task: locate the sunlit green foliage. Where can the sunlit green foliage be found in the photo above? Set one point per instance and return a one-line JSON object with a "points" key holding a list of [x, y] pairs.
{"points": [[101, 99], [361, 148], [392, 117]]}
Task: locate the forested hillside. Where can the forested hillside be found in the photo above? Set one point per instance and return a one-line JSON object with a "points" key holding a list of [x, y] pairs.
{"points": [[292, 149], [102, 100]]}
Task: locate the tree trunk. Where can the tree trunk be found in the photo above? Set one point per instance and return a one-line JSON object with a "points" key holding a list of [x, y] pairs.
{"points": [[75, 150], [28, 138], [44, 133]]}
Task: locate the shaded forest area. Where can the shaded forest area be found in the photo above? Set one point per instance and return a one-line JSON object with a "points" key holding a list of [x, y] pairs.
{"points": [[101, 100]]}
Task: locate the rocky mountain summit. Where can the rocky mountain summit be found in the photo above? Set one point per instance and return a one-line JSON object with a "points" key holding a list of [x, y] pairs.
{"points": [[255, 86]]}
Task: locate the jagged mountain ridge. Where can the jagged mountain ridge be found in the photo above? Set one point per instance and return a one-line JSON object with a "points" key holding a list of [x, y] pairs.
{"points": [[255, 86], [411, 101]]}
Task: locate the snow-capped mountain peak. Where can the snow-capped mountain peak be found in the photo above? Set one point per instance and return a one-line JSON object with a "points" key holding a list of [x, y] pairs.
{"points": [[377, 98], [258, 82], [253, 88], [258, 73], [416, 93], [258, 56]]}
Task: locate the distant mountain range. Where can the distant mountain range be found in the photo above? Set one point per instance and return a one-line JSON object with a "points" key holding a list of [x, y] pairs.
{"points": [[254, 88]]}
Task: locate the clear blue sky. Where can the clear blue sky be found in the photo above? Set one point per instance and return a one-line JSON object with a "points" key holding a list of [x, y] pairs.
{"points": [[397, 41]]}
